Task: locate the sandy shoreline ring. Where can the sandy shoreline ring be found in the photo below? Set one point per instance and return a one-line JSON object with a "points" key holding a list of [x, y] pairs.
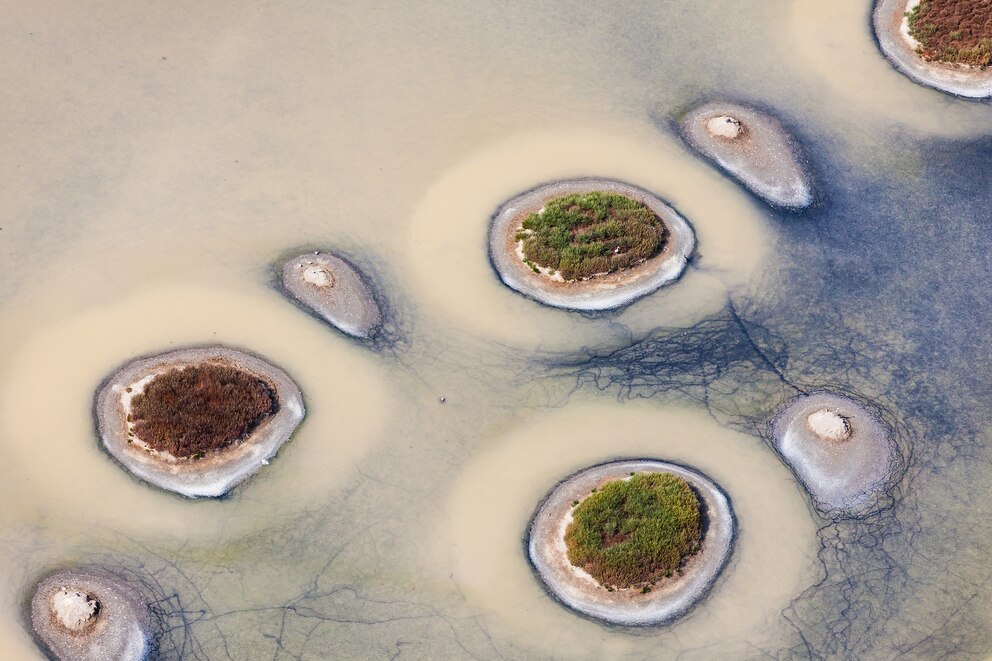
{"points": [[889, 24], [118, 627], [670, 598], [219, 471], [601, 292]]}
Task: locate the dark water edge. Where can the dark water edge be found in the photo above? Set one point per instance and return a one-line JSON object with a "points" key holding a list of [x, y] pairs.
{"points": [[880, 291]]}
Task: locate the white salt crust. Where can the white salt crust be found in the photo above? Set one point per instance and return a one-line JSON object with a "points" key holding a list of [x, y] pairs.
{"points": [[89, 614], [334, 291], [841, 452], [73, 609], [762, 155], [829, 425]]}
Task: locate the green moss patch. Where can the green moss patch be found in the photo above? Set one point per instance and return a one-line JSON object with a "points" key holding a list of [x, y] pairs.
{"points": [[953, 31], [191, 411], [634, 532], [585, 234]]}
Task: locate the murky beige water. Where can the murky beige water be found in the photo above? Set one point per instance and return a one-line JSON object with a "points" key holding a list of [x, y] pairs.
{"points": [[772, 561], [157, 159]]}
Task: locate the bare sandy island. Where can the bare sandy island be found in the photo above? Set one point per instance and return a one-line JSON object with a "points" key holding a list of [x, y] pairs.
{"points": [[840, 451], [754, 148], [89, 614], [669, 598], [334, 290], [601, 292]]}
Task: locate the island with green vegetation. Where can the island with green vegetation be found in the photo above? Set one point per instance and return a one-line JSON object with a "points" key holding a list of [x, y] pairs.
{"points": [[588, 244], [634, 542], [944, 44], [584, 235], [635, 532]]}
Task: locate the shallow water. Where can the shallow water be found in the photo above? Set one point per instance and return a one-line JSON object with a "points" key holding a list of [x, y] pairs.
{"points": [[158, 161]]}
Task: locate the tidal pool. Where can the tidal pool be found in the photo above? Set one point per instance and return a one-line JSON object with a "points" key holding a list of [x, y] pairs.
{"points": [[158, 162]]}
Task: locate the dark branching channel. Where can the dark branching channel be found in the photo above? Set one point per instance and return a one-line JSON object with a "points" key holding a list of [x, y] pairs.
{"points": [[865, 306]]}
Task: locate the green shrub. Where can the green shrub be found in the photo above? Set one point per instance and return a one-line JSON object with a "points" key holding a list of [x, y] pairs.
{"points": [[633, 532], [585, 234]]}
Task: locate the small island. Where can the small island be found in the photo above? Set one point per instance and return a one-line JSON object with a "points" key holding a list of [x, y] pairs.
{"points": [[334, 290], [632, 542], [944, 44], [752, 146], [197, 421], [89, 614], [588, 244], [839, 450]]}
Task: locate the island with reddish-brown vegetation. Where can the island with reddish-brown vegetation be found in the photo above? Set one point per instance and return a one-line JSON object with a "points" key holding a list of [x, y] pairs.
{"points": [[957, 31], [944, 44], [197, 421], [190, 412]]}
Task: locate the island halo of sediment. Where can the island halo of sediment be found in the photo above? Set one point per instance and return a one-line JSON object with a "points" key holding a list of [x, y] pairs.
{"points": [[753, 147], [602, 291], [656, 602], [840, 451], [890, 21], [332, 289], [89, 614], [197, 421]]}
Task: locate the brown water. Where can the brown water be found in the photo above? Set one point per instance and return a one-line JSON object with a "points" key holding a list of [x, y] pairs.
{"points": [[156, 160]]}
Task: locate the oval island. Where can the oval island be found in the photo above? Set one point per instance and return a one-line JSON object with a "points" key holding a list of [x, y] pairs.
{"points": [[632, 542], [753, 147], [839, 450], [588, 244], [943, 44], [89, 614], [334, 290], [197, 421]]}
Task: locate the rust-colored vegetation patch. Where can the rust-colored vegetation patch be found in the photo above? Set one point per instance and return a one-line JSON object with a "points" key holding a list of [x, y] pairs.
{"points": [[953, 31], [193, 410]]}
